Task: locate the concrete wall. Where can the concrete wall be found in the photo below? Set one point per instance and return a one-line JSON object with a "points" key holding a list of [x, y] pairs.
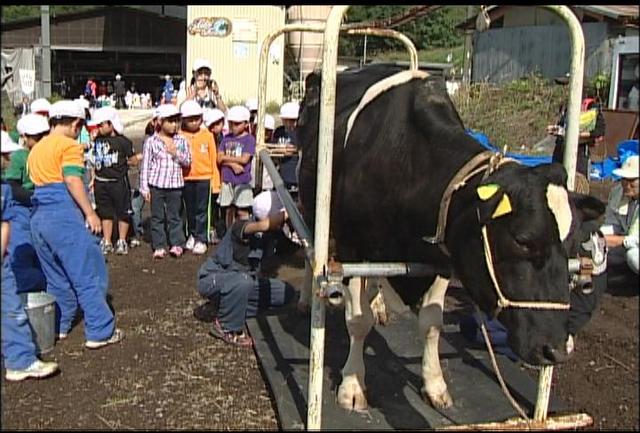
{"points": [[235, 57]]}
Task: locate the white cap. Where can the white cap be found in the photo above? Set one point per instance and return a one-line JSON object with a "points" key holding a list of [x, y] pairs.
{"points": [[167, 77], [167, 110], [265, 204], [104, 114], [66, 108], [118, 76], [289, 110], [251, 104], [155, 114], [8, 145], [629, 169], [83, 103], [190, 108], [238, 113], [201, 63], [32, 124], [212, 116], [269, 122], [40, 105]]}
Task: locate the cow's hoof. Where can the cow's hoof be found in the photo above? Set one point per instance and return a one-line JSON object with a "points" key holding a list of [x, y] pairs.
{"points": [[439, 401], [352, 398]]}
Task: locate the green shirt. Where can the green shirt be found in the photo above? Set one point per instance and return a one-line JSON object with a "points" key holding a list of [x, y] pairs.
{"points": [[17, 169]]}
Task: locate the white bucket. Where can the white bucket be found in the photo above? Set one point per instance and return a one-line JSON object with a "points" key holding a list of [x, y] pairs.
{"points": [[41, 312]]}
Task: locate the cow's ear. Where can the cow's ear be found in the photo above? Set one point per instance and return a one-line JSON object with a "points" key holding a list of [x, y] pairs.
{"points": [[589, 208], [494, 203], [554, 173]]}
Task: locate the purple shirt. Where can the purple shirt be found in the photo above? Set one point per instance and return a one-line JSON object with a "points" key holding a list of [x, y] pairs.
{"points": [[236, 146], [159, 168]]}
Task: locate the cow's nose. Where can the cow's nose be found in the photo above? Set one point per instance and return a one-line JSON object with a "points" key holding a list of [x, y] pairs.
{"points": [[555, 355]]}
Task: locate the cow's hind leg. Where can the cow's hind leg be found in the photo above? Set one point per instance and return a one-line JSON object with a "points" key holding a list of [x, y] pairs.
{"points": [[359, 319], [430, 322]]}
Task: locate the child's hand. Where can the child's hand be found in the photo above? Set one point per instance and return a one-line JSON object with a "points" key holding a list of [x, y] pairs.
{"points": [[146, 196]]}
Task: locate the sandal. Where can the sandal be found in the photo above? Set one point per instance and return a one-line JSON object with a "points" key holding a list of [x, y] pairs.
{"points": [[230, 337]]}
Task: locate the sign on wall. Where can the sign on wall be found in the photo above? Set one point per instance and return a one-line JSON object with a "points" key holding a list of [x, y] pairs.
{"points": [[210, 26], [245, 30], [28, 81]]}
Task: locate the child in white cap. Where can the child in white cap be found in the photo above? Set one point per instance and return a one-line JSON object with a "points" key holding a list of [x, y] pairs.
{"points": [[214, 121], [285, 136], [235, 154], [165, 155]]}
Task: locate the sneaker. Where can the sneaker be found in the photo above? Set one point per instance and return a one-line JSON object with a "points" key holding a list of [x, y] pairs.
{"points": [[62, 335], [38, 369], [230, 337], [117, 337], [134, 242], [160, 253], [121, 247], [200, 248], [175, 251], [106, 247], [191, 242]]}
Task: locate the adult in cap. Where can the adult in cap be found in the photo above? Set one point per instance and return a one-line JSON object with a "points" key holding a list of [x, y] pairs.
{"points": [[201, 180], [165, 155], [41, 106], [113, 154], [203, 89], [18, 347], [120, 89], [24, 260], [286, 137], [63, 224], [621, 225]]}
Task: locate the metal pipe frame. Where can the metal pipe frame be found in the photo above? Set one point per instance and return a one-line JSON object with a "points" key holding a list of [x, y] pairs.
{"points": [[316, 28]]}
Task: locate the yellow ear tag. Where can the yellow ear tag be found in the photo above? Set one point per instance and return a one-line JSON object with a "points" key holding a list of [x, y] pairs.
{"points": [[485, 192], [503, 208]]}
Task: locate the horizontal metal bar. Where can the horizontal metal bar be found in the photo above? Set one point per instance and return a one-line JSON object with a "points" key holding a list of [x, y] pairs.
{"points": [[292, 210], [387, 269]]}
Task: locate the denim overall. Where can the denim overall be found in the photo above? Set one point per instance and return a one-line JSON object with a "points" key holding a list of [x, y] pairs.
{"points": [[72, 262], [18, 349], [23, 258], [242, 293]]}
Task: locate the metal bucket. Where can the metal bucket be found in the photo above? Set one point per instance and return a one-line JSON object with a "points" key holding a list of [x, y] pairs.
{"points": [[41, 312]]}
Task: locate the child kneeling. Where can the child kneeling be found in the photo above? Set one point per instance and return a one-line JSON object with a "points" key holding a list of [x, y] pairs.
{"points": [[232, 273]]}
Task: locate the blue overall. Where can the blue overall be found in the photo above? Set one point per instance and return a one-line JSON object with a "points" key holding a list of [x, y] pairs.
{"points": [[72, 262], [242, 293], [24, 260], [18, 349]]}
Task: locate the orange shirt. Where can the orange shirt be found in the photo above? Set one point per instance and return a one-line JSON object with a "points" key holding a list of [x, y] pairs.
{"points": [[203, 158], [55, 157]]}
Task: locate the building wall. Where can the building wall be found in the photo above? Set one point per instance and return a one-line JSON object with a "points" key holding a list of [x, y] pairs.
{"points": [[235, 57]]}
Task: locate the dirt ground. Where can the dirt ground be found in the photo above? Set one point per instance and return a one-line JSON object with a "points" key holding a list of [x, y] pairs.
{"points": [[169, 373]]}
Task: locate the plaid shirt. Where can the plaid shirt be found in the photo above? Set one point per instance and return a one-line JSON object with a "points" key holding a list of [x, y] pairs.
{"points": [[160, 169]]}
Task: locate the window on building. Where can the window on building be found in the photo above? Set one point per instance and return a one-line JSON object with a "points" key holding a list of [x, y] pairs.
{"points": [[627, 84]]}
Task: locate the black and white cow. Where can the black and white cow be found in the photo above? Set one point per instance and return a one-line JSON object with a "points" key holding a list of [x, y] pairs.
{"points": [[404, 143]]}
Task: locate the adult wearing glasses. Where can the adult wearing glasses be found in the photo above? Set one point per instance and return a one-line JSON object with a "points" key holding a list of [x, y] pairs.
{"points": [[203, 89]]}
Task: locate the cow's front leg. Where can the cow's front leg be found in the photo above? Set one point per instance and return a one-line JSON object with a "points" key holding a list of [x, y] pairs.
{"points": [[430, 322], [359, 319]]}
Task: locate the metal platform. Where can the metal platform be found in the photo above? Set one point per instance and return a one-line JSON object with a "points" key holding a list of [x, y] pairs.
{"points": [[393, 356]]}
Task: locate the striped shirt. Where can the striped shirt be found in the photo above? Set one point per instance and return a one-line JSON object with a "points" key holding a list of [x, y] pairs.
{"points": [[159, 168]]}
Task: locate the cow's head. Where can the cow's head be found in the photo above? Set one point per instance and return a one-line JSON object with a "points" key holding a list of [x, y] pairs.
{"points": [[530, 221]]}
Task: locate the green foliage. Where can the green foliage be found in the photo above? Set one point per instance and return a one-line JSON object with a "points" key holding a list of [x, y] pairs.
{"points": [[20, 12], [435, 30], [599, 87], [515, 114]]}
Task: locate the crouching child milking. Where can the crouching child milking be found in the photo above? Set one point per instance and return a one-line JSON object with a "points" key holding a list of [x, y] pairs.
{"points": [[233, 273]]}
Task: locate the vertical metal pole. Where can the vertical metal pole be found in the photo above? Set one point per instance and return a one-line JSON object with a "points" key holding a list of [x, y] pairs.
{"points": [[364, 51], [576, 72], [466, 67], [323, 201], [46, 52]]}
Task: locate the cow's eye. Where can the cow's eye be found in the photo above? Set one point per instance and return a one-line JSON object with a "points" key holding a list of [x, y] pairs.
{"points": [[524, 245]]}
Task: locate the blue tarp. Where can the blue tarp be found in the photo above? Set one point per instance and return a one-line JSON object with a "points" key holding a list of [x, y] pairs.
{"points": [[599, 170]]}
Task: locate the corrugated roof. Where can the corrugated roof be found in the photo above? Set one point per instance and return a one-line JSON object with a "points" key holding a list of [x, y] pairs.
{"points": [[613, 11]]}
